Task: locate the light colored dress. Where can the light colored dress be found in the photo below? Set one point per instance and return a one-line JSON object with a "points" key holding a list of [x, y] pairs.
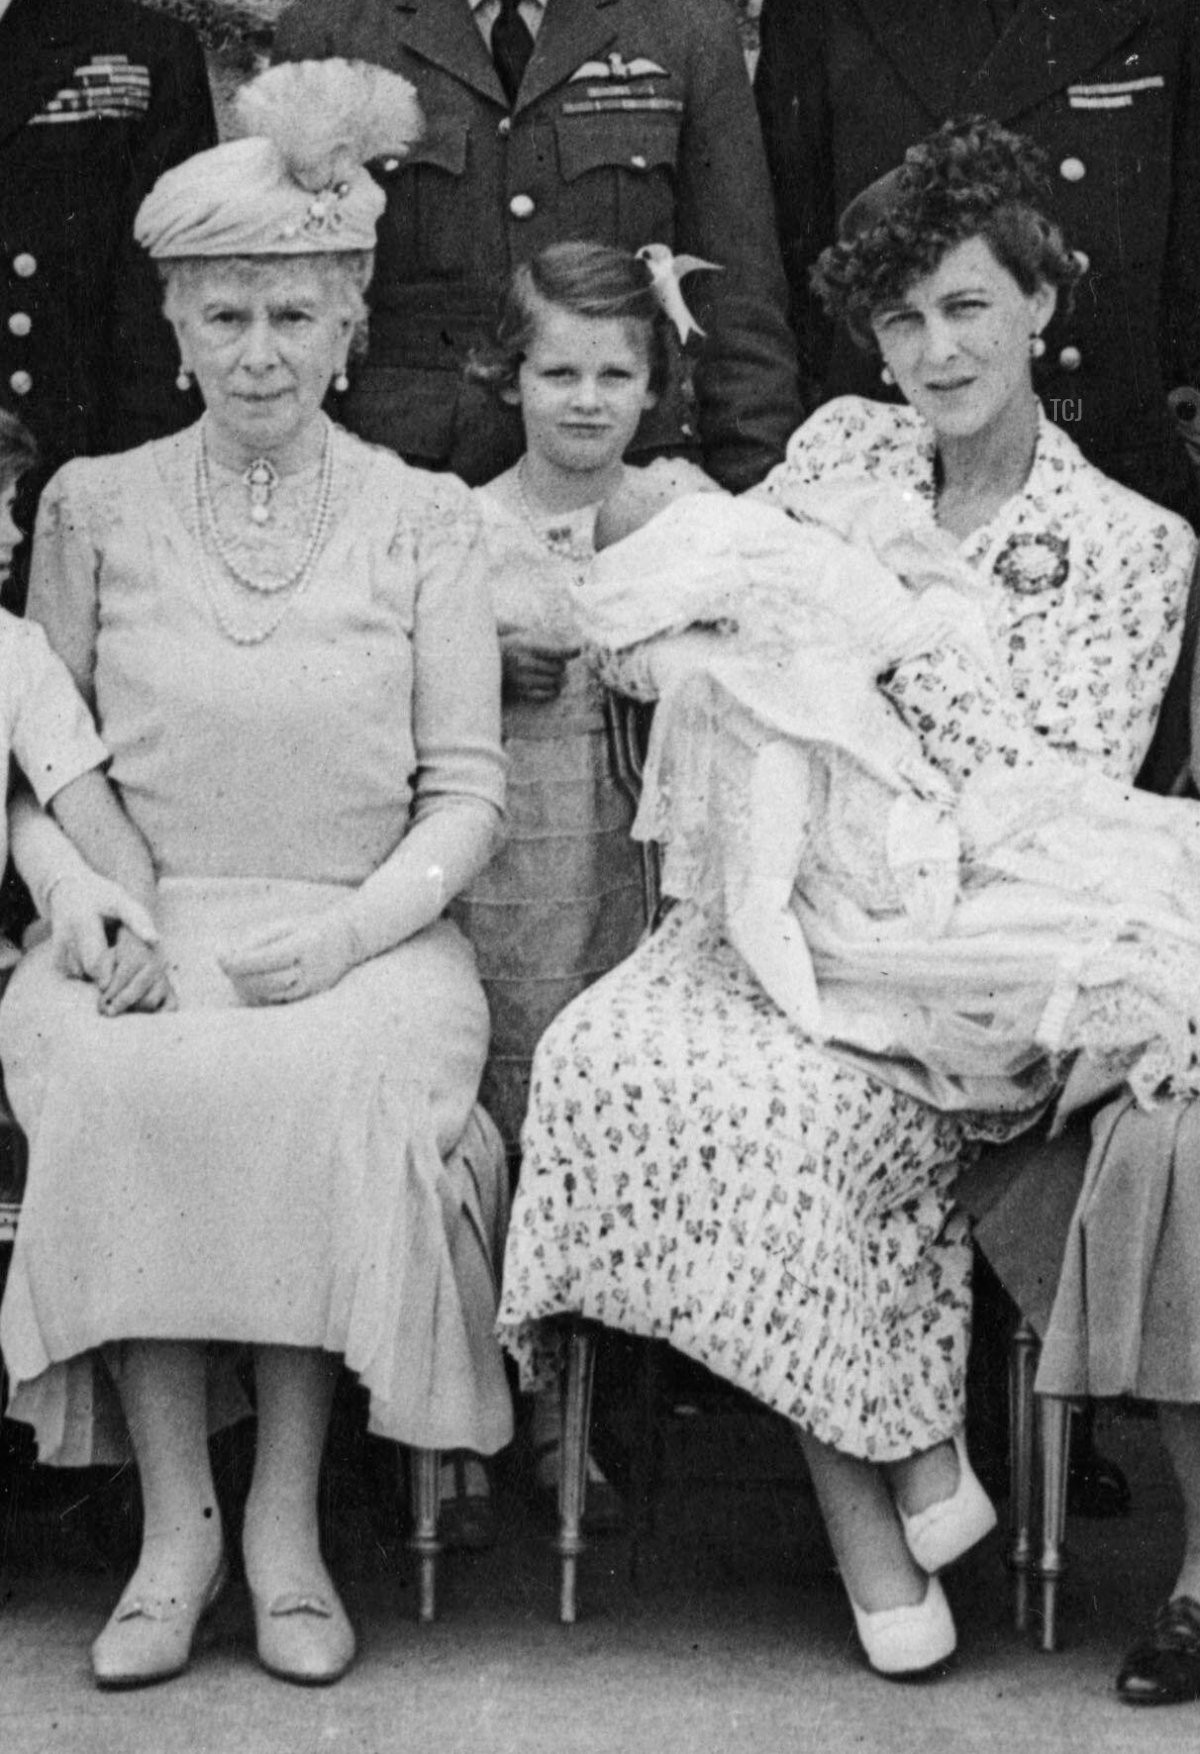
{"points": [[283, 1175], [561, 903], [44, 726], [695, 1167]]}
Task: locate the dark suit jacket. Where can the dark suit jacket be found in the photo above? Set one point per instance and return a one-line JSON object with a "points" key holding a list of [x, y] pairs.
{"points": [[86, 360], [845, 86], [658, 143]]}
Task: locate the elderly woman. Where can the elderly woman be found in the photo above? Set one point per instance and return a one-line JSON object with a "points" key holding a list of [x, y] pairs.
{"points": [[291, 653], [696, 1165]]}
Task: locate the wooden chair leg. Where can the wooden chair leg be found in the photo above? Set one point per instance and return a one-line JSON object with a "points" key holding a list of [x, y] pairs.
{"points": [[1054, 1418], [572, 1483], [1022, 1367], [424, 1466]]}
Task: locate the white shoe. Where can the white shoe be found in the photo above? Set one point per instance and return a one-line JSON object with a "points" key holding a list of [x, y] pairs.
{"points": [[944, 1531], [909, 1641]]}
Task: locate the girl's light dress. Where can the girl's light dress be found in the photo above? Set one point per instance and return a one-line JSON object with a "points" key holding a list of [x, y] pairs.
{"points": [[697, 1166], [561, 903]]}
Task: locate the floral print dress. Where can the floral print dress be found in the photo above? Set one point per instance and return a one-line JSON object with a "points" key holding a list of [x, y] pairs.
{"points": [[694, 1167]]}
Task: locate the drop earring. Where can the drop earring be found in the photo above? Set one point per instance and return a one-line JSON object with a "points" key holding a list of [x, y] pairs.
{"points": [[1037, 346], [341, 383], [183, 379], [887, 376]]}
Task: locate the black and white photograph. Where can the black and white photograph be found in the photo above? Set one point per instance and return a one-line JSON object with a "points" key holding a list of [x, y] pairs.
{"points": [[600, 925]]}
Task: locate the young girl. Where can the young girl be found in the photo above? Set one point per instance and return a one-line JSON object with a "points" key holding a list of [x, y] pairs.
{"points": [[47, 731], [583, 349]]}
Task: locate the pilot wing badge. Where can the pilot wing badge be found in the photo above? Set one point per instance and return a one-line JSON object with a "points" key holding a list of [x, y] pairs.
{"points": [[614, 66]]}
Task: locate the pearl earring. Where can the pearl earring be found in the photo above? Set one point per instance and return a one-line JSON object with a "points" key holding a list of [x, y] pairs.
{"points": [[341, 383], [1036, 346], [183, 379], [887, 376]]}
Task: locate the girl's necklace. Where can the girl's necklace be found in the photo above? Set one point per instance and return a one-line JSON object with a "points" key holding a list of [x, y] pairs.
{"points": [[291, 588], [561, 538]]}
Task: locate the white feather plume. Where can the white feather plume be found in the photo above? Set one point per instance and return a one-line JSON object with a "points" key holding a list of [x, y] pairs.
{"points": [[329, 117]]}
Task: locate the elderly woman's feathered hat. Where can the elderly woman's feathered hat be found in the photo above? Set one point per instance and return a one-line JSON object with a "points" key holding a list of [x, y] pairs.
{"points": [[296, 185]]}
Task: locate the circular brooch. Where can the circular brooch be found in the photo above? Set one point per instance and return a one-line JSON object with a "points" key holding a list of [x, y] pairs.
{"points": [[1030, 563]]}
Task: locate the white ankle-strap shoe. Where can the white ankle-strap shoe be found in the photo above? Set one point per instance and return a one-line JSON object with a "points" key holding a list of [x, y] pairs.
{"points": [[942, 1533], [903, 1643]]}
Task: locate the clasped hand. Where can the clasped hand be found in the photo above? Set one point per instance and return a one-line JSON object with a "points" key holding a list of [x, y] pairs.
{"points": [[532, 672], [131, 973], [292, 959]]}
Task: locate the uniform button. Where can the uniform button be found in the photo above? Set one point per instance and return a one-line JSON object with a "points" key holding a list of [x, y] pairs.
{"points": [[20, 323], [1070, 359], [1084, 260], [504, 127], [20, 383], [391, 164], [521, 207], [1072, 170], [25, 265], [638, 162]]}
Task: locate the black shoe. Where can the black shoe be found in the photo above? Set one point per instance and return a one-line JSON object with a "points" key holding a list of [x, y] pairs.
{"points": [[1165, 1668], [1096, 1487], [466, 1513]]}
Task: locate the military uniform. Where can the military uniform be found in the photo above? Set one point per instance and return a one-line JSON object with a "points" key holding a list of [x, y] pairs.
{"points": [[633, 124], [1110, 89], [97, 97]]}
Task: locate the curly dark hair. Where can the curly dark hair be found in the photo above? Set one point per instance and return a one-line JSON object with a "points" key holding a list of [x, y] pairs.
{"points": [[18, 452], [589, 279], [971, 179]]}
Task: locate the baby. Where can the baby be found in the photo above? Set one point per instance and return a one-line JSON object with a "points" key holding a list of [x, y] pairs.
{"points": [[841, 779]]}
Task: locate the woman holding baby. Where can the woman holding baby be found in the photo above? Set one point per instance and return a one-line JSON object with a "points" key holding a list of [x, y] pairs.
{"points": [[700, 1167]]}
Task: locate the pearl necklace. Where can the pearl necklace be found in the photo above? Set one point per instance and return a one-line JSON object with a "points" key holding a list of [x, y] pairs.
{"points": [[558, 538], [298, 581], [206, 517]]}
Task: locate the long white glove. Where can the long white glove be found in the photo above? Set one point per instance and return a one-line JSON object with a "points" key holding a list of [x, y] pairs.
{"points": [[80, 907], [295, 958], [76, 900]]}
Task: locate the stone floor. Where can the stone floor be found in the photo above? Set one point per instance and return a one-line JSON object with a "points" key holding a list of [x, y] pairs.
{"points": [[721, 1628]]}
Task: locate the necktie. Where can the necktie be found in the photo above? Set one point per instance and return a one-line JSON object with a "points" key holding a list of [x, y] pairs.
{"points": [[512, 45]]}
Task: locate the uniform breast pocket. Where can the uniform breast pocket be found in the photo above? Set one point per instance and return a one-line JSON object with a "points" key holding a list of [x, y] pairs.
{"points": [[1119, 133], [73, 165], [425, 229], [619, 170]]}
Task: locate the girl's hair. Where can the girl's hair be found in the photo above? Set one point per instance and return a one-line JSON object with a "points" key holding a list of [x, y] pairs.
{"points": [[589, 280], [18, 452], [971, 179], [346, 272]]}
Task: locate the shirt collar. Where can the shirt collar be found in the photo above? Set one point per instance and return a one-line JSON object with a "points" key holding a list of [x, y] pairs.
{"points": [[478, 5]]}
